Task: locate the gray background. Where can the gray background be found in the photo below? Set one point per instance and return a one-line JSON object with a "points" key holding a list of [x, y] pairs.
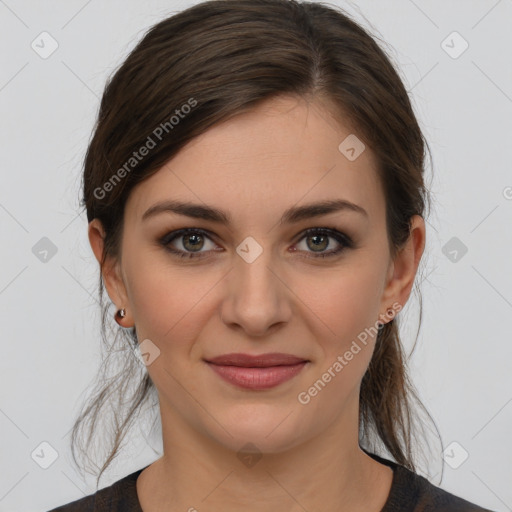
{"points": [[49, 313]]}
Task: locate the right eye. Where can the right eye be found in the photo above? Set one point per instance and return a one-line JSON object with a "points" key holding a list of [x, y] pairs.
{"points": [[190, 239]]}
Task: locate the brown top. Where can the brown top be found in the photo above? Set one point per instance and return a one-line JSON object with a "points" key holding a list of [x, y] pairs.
{"points": [[409, 492]]}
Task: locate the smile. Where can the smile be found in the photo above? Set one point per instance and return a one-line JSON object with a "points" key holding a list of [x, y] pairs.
{"points": [[257, 378]]}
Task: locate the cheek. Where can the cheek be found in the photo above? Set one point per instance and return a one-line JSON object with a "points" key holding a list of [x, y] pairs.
{"points": [[346, 307], [342, 302], [168, 302]]}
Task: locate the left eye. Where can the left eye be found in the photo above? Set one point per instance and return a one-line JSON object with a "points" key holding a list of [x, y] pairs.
{"points": [[193, 240], [318, 238]]}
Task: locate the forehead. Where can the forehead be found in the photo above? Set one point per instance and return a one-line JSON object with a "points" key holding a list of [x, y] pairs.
{"points": [[257, 164]]}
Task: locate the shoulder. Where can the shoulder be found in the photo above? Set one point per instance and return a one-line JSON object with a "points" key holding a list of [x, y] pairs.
{"points": [[413, 493], [119, 496], [430, 498]]}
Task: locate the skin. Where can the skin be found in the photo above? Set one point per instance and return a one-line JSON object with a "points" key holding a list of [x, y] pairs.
{"points": [[255, 166]]}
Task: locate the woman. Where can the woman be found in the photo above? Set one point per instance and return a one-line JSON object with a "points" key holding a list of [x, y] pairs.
{"points": [[255, 193]]}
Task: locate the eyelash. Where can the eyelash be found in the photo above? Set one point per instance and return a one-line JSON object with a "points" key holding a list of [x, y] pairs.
{"points": [[345, 241]]}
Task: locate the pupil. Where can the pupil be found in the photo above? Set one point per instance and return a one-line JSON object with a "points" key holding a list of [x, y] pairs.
{"points": [[197, 239], [317, 240]]}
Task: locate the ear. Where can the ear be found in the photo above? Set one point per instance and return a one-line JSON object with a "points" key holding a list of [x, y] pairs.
{"points": [[111, 272], [402, 270]]}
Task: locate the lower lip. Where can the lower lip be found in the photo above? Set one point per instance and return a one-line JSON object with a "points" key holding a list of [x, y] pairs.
{"points": [[257, 378]]}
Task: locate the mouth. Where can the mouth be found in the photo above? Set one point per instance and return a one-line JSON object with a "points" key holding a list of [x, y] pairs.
{"points": [[257, 372]]}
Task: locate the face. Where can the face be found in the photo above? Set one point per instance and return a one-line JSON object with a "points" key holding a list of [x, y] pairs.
{"points": [[272, 276]]}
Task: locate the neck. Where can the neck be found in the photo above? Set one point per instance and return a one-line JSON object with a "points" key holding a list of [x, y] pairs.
{"points": [[198, 473]]}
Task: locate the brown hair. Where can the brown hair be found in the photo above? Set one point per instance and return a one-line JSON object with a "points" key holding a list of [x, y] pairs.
{"points": [[221, 58]]}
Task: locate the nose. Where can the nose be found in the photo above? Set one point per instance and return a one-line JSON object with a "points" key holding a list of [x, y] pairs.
{"points": [[257, 297]]}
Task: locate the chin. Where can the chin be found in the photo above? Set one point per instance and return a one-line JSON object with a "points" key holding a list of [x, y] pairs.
{"points": [[260, 433], [257, 443]]}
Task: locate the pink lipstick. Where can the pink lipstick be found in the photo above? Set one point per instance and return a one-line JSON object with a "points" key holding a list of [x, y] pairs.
{"points": [[257, 372]]}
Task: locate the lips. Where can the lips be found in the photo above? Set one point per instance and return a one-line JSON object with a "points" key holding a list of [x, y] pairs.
{"points": [[257, 373], [257, 361]]}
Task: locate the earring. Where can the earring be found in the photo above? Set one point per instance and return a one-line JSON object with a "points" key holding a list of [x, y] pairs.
{"points": [[120, 314], [389, 312]]}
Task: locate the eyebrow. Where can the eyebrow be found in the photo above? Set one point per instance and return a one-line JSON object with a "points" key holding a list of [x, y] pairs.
{"points": [[291, 215]]}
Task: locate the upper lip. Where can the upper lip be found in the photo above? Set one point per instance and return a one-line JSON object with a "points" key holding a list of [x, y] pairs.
{"points": [[262, 360]]}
